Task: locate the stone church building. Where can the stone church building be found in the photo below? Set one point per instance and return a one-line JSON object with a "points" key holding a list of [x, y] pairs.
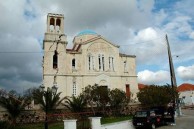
{"points": [[92, 60]]}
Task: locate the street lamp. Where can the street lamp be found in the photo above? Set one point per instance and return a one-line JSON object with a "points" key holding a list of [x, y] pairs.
{"points": [[46, 95], [54, 88]]}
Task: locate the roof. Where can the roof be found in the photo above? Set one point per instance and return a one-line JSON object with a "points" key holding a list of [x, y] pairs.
{"points": [[141, 86], [93, 39], [185, 87], [99, 37], [86, 32], [125, 55]]}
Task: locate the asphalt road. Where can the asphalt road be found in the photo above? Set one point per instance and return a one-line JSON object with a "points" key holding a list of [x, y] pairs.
{"points": [[186, 121]]}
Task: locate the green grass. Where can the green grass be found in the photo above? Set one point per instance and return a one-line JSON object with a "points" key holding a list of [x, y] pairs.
{"points": [[107, 120]]}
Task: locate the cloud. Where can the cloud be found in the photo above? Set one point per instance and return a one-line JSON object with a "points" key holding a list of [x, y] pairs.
{"points": [[137, 26], [148, 45], [20, 51], [94, 14], [186, 73], [150, 77], [20, 62], [191, 35]]}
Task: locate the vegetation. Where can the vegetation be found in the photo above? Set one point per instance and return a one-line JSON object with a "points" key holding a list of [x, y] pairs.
{"points": [[60, 125], [89, 96], [14, 105], [154, 95], [75, 104], [104, 98], [96, 96], [52, 100], [28, 95], [101, 100], [118, 99]]}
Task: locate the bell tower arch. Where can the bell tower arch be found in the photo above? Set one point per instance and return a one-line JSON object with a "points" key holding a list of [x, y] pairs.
{"points": [[55, 23]]}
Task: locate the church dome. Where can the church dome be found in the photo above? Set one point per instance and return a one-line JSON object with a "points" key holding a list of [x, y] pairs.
{"points": [[86, 32]]}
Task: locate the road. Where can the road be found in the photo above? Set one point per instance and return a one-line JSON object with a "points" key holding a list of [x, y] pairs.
{"points": [[186, 121]]}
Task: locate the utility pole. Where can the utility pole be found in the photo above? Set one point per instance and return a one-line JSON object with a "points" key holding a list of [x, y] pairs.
{"points": [[172, 76]]}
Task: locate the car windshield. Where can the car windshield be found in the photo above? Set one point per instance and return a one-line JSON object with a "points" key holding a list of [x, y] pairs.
{"points": [[141, 114]]}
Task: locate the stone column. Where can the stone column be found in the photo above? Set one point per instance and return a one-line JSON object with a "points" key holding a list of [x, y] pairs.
{"points": [[95, 122], [70, 124]]}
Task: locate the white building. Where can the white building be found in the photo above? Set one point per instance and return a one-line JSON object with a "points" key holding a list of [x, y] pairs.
{"points": [[186, 94], [92, 60]]}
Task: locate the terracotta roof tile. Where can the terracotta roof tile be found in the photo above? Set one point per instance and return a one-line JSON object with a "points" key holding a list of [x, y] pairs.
{"points": [[141, 86], [185, 87]]}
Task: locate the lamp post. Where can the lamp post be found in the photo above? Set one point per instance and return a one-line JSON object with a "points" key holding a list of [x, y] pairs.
{"points": [[46, 95]]}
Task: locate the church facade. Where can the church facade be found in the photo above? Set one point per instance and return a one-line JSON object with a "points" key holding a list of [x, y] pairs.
{"points": [[92, 60]]}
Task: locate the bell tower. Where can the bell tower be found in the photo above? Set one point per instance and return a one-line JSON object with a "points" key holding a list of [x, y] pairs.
{"points": [[55, 23], [54, 46]]}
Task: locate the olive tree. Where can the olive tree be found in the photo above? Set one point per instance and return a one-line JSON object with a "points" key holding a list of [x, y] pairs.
{"points": [[118, 100], [155, 95]]}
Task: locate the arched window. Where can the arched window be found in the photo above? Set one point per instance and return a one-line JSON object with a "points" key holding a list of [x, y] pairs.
{"points": [[55, 60], [111, 63], [91, 62], [58, 24], [103, 67], [73, 64], [101, 62], [52, 23]]}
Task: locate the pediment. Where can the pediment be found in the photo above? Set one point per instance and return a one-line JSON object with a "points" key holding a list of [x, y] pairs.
{"points": [[101, 39], [100, 45]]}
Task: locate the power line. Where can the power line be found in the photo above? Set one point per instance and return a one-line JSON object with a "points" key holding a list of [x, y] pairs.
{"points": [[18, 52]]}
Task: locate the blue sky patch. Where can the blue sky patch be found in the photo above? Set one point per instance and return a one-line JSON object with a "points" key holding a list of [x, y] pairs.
{"points": [[29, 15], [164, 4]]}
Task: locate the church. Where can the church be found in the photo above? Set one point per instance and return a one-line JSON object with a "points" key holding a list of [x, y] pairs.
{"points": [[92, 60]]}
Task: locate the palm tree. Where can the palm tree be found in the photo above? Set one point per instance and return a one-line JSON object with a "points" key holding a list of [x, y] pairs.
{"points": [[75, 104], [13, 105], [47, 100]]}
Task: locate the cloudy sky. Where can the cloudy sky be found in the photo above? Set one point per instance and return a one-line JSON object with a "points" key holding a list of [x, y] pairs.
{"points": [[138, 26]]}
